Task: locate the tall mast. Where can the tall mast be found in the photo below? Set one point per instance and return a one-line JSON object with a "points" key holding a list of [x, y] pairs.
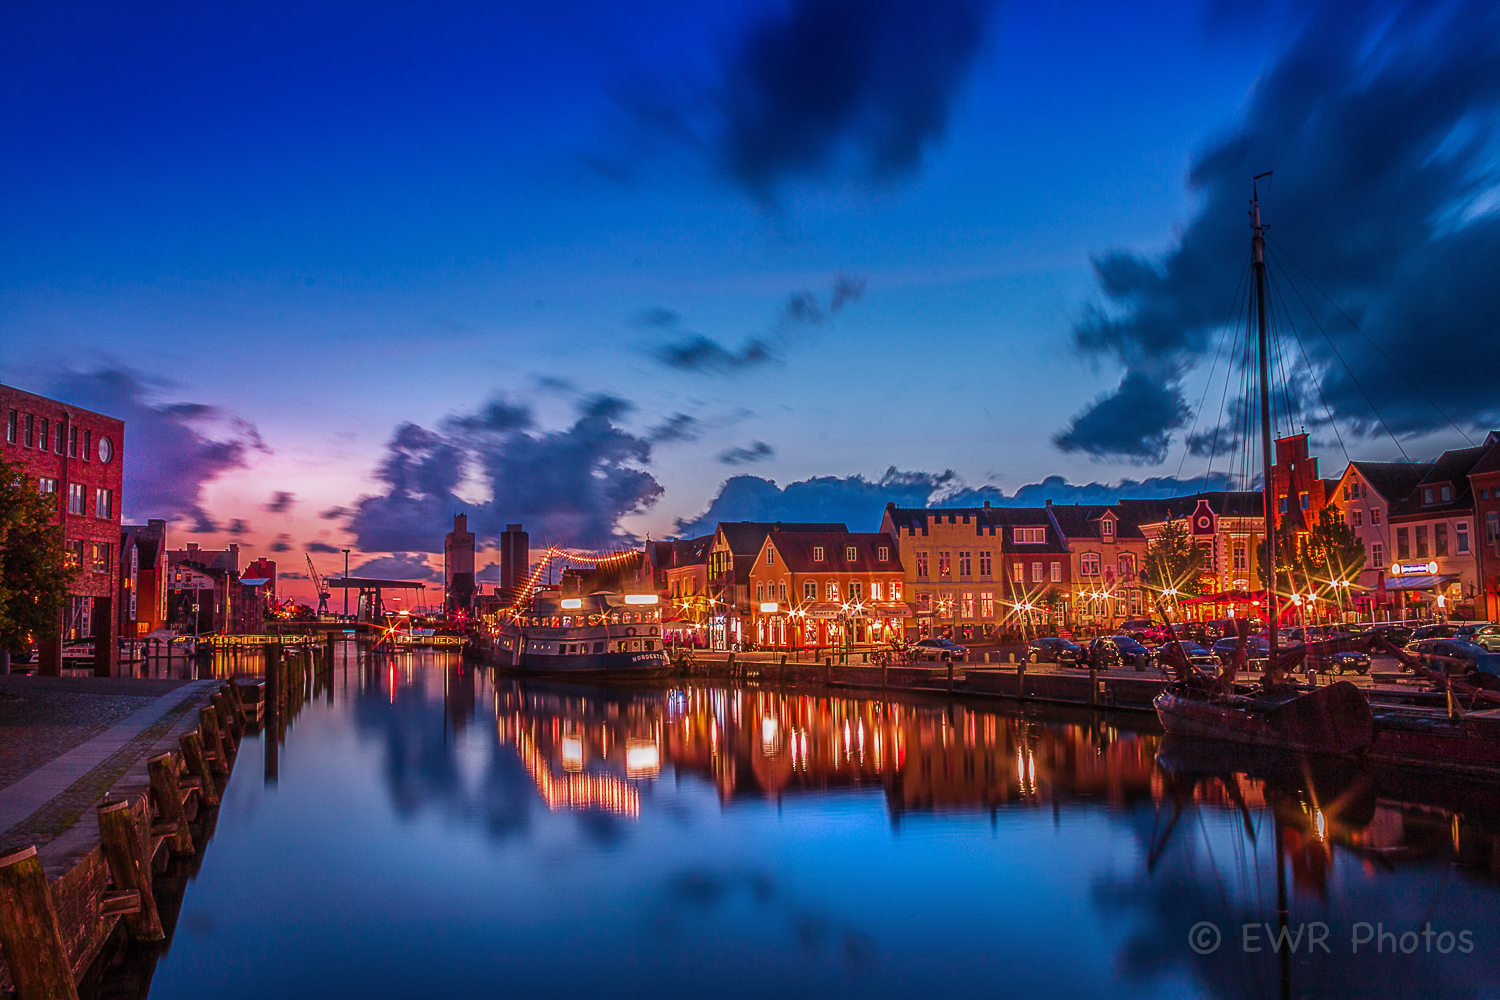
{"points": [[1258, 251]]}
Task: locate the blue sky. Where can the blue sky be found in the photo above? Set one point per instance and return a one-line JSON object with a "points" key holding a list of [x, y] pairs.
{"points": [[328, 220]]}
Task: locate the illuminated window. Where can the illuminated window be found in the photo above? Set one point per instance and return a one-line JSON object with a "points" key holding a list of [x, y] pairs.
{"points": [[1018, 572], [1088, 564], [1374, 515], [895, 590], [72, 553], [45, 485], [924, 601], [101, 557], [832, 591], [877, 591], [1036, 572], [986, 604], [921, 565], [945, 564], [75, 498], [1031, 536], [966, 606], [1056, 571], [104, 503]]}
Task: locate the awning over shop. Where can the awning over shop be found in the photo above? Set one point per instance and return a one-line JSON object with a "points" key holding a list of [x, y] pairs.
{"points": [[1424, 582], [887, 611]]}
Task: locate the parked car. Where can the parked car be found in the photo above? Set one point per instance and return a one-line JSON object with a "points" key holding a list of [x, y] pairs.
{"points": [[1457, 656], [1343, 661], [938, 648], [1059, 651], [1481, 634], [1439, 630], [1118, 650], [1258, 650], [1198, 654], [1397, 635]]}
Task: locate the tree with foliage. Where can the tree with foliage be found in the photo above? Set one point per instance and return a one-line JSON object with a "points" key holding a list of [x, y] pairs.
{"points": [[1330, 551], [1173, 560], [33, 579]]}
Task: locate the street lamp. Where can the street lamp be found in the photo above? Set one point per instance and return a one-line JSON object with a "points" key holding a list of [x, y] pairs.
{"points": [[346, 583]]}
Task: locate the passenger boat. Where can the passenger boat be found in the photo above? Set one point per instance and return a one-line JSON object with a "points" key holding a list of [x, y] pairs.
{"points": [[603, 633]]}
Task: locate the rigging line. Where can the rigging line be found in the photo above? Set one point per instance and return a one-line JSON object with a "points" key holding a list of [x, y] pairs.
{"points": [[1250, 404], [1369, 340], [1225, 336], [1311, 374], [1352, 377]]}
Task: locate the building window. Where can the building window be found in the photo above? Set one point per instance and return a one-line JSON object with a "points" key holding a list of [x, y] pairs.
{"points": [[1374, 515], [817, 553], [101, 557], [810, 590], [57, 438], [883, 553], [986, 604], [924, 602], [88, 444], [12, 421], [1440, 540], [44, 439], [104, 503], [984, 563], [1241, 558], [833, 591], [1357, 517], [770, 556], [75, 498], [1056, 571], [1036, 572], [1461, 537], [45, 485], [1403, 544], [856, 590], [966, 607], [922, 565], [72, 553], [1018, 572], [72, 442], [1031, 536], [1107, 529], [877, 590], [945, 564], [1421, 541], [781, 592], [1377, 554], [1426, 496], [1491, 528], [1302, 500], [30, 430], [1447, 493], [1088, 564], [760, 592], [1127, 567], [964, 562], [851, 553]]}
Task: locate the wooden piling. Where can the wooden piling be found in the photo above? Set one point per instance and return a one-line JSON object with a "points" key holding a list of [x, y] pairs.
{"points": [[29, 932], [166, 792], [197, 766], [126, 852], [229, 719], [213, 741]]}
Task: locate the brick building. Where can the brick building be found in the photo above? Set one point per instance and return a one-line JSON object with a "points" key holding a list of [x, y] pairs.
{"points": [[1484, 482], [732, 552], [74, 456], [205, 592], [825, 588], [458, 567], [143, 578]]}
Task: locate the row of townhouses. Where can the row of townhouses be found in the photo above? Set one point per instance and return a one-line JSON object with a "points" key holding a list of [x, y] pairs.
{"points": [[125, 582], [1430, 531]]}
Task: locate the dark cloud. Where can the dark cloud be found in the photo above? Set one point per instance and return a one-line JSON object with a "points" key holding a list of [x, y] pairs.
{"points": [[334, 513], [322, 547], [815, 90], [283, 543], [489, 573], [757, 451], [280, 502], [799, 314], [397, 566], [860, 502], [553, 383], [658, 318], [571, 485], [172, 451], [1133, 422], [284, 575], [1379, 122], [238, 527], [677, 427]]}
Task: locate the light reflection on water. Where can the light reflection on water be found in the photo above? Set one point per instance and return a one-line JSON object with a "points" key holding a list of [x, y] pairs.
{"points": [[435, 830]]}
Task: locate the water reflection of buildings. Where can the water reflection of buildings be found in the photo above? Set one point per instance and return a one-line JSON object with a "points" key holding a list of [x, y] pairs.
{"points": [[586, 751]]}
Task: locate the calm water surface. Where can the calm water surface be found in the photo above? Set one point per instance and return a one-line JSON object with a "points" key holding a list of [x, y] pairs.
{"points": [[430, 830]]}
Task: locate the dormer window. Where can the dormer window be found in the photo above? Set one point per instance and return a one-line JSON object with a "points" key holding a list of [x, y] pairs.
{"points": [[884, 552], [817, 553], [851, 554], [1107, 529], [1447, 494], [1031, 536], [1427, 495]]}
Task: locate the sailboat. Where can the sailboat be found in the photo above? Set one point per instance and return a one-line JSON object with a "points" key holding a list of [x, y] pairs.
{"points": [[1334, 719]]}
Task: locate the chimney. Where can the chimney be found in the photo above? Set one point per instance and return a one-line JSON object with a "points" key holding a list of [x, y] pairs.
{"points": [[986, 503]]}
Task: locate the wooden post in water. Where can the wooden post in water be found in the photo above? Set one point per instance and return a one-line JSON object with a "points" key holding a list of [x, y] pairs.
{"points": [[130, 868], [197, 765], [1021, 679], [1093, 683], [166, 792], [214, 743], [271, 715], [29, 932]]}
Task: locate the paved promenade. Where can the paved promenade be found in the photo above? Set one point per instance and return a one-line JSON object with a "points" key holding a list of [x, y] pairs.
{"points": [[65, 741]]}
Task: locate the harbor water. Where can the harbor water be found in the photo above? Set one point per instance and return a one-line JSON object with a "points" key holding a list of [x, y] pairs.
{"points": [[422, 828]]}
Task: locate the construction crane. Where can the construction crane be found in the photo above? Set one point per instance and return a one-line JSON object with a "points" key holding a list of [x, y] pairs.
{"points": [[323, 594]]}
